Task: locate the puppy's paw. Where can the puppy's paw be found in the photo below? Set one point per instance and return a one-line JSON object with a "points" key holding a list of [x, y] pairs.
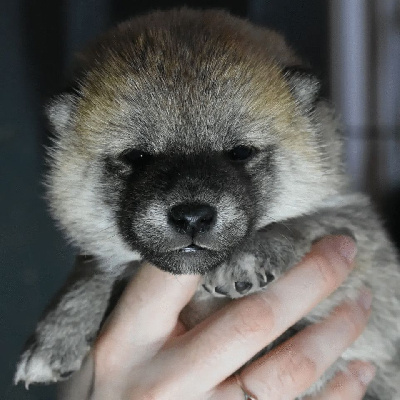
{"points": [[241, 275], [51, 360]]}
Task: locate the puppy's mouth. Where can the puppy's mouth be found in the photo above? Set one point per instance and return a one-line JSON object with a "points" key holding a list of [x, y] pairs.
{"points": [[188, 258], [191, 248]]}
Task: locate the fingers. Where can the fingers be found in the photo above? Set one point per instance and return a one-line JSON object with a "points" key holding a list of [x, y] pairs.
{"points": [[348, 385], [220, 345], [297, 363], [146, 314]]}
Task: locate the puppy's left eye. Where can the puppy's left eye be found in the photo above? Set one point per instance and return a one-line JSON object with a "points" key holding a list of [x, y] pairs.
{"points": [[135, 157], [240, 153]]}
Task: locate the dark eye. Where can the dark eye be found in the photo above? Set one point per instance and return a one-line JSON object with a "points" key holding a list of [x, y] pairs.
{"points": [[135, 157], [240, 153]]}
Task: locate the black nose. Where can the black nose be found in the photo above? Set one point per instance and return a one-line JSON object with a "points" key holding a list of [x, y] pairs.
{"points": [[192, 218]]}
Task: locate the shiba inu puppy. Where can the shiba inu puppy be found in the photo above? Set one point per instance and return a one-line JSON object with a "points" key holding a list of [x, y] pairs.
{"points": [[199, 142]]}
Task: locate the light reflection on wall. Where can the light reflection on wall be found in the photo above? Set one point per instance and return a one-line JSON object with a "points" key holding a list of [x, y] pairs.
{"points": [[365, 65]]}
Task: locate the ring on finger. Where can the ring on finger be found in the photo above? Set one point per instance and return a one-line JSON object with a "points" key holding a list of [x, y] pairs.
{"points": [[246, 394]]}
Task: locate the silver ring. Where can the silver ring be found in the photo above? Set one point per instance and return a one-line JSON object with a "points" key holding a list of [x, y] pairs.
{"points": [[246, 395]]}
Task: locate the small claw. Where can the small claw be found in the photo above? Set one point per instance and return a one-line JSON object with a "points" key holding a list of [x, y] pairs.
{"points": [[66, 375], [263, 280], [220, 290], [205, 287]]}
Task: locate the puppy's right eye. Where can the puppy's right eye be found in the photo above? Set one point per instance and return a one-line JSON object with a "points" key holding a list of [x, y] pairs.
{"points": [[240, 153], [135, 157]]}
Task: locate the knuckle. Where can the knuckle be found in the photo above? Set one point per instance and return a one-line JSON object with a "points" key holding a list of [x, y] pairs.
{"points": [[252, 316], [327, 269], [295, 369], [293, 372]]}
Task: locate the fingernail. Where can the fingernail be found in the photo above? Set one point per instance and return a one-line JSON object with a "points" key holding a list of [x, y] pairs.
{"points": [[364, 299], [345, 246], [366, 373]]}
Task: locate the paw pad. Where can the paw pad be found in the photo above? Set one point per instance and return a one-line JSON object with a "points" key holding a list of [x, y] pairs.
{"points": [[270, 277], [243, 287]]}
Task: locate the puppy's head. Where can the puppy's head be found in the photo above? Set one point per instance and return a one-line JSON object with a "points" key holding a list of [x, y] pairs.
{"points": [[185, 135]]}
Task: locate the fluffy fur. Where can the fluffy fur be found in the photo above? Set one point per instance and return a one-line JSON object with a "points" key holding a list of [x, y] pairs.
{"points": [[194, 140]]}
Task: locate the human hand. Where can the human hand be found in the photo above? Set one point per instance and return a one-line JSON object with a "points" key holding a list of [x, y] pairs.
{"points": [[145, 352]]}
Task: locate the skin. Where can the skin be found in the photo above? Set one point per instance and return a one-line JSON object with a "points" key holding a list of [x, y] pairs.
{"points": [[141, 357]]}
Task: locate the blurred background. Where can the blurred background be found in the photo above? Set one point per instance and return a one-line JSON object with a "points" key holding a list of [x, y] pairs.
{"points": [[353, 45]]}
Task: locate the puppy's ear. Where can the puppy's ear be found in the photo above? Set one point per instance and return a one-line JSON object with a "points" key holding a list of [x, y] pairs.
{"points": [[304, 85], [60, 111]]}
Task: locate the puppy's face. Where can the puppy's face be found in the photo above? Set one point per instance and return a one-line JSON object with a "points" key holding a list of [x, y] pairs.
{"points": [[179, 156], [183, 211]]}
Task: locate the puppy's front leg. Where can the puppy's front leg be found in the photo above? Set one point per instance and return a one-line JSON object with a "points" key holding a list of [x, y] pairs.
{"points": [[69, 325], [279, 246], [259, 261]]}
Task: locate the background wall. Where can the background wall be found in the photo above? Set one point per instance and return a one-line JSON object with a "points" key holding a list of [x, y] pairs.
{"points": [[365, 66], [37, 42]]}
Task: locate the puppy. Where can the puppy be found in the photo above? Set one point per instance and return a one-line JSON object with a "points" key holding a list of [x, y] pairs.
{"points": [[199, 142]]}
